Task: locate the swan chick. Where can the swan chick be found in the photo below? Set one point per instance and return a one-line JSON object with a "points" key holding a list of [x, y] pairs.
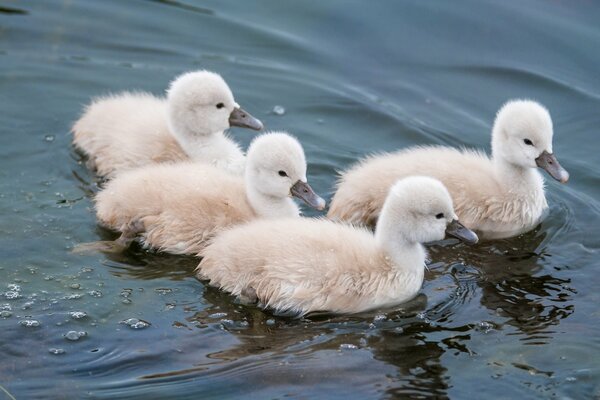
{"points": [[176, 208], [128, 130], [498, 196], [306, 265]]}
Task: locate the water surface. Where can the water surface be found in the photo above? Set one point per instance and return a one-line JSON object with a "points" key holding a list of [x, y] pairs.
{"points": [[513, 318]]}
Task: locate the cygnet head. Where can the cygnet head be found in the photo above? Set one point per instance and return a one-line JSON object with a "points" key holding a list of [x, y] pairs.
{"points": [[200, 104], [276, 167], [522, 136], [419, 209]]}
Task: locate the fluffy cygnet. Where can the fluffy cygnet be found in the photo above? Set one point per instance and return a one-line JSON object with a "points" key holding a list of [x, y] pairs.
{"points": [[497, 197], [176, 208], [127, 130], [306, 265]]}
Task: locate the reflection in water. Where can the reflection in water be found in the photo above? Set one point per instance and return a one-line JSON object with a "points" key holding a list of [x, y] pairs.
{"points": [[514, 283]]}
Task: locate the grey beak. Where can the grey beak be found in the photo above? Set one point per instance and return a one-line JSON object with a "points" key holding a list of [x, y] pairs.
{"points": [[243, 119], [549, 162], [304, 192], [461, 232]]}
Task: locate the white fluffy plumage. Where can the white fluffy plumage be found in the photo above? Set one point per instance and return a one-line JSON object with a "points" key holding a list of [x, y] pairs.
{"points": [[177, 207], [128, 130], [498, 196], [307, 265]]}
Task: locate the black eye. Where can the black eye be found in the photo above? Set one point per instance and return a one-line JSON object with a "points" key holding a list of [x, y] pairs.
{"points": [[528, 142], [282, 173], [220, 105], [440, 216]]}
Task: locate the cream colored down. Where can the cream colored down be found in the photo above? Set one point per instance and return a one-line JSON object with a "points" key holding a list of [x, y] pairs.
{"points": [[307, 265], [498, 196], [181, 205], [127, 130]]}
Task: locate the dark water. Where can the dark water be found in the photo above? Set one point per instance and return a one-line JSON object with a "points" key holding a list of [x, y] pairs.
{"points": [[510, 319]]}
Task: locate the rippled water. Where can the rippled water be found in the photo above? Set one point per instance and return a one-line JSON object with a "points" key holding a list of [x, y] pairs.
{"points": [[514, 318]]}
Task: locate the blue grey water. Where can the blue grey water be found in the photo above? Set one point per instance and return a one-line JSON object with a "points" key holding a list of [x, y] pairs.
{"points": [[512, 318]]}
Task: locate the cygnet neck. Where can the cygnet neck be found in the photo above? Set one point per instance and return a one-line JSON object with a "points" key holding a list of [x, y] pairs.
{"points": [[268, 206], [404, 252], [517, 178]]}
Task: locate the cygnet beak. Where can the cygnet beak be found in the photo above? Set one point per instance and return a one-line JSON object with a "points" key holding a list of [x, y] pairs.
{"points": [[304, 192], [243, 119], [461, 232], [549, 162]]}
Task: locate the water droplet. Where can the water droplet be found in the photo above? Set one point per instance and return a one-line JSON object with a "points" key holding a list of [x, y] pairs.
{"points": [[348, 346], [49, 138], [31, 323], [5, 314], [278, 110], [135, 323], [77, 314], [56, 351], [74, 335]]}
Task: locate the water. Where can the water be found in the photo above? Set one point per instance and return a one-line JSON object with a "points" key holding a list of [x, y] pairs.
{"points": [[513, 319]]}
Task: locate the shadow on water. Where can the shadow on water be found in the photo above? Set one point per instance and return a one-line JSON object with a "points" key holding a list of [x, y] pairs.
{"points": [[10, 10]]}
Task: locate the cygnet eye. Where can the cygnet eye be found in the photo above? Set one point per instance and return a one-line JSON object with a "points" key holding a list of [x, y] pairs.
{"points": [[282, 173], [528, 142], [220, 105], [440, 216]]}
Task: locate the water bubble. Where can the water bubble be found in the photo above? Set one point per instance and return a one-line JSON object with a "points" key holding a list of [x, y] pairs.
{"points": [[30, 323], [75, 286], [5, 306], [11, 295], [77, 314], [485, 327], [270, 322], [135, 323], [56, 351], [278, 110], [95, 293], [5, 314], [27, 305], [49, 138], [73, 296], [163, 291], [399, 329], [379, 318], [14, 287], [348, 346], [217, 315], [74, 335]]}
